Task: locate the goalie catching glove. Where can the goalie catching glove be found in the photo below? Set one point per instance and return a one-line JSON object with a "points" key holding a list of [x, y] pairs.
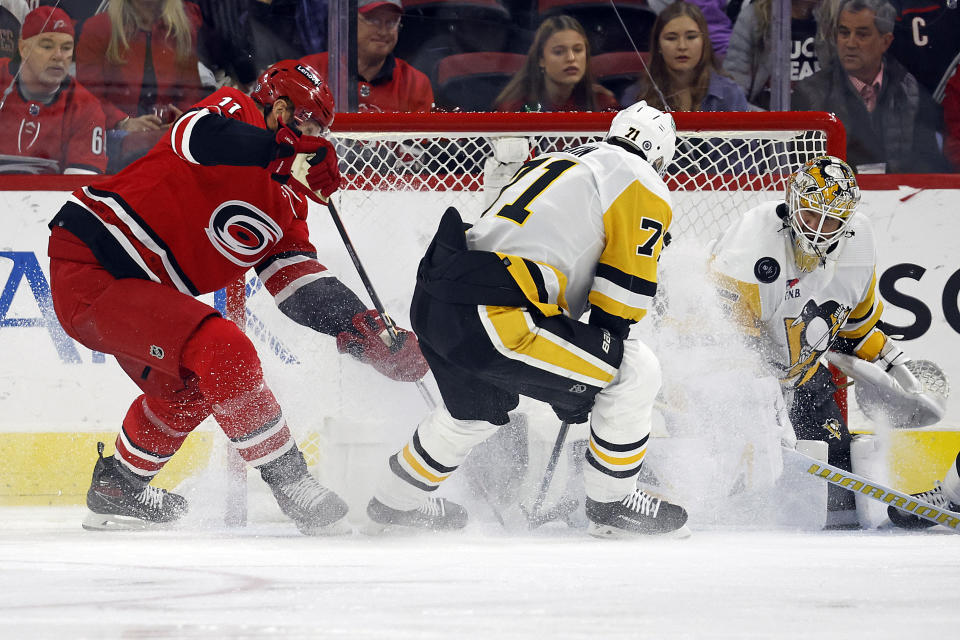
{"points": [[367, 342], [892, 388], [324, 173]]}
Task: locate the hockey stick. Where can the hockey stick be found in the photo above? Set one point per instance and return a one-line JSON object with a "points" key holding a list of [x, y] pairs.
{"points": [[301, 188], [875, 491], [534, 517]]}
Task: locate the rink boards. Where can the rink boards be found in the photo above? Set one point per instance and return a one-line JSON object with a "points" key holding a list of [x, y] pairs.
{"points": [[59, 397]]}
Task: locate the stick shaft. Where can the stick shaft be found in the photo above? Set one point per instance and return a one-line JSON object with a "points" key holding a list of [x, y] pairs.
{"points": [[551, 466], [875, 491], [302, 189]]}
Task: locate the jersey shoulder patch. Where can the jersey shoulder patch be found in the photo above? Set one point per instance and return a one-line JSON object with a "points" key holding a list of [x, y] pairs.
{"points": [[752, 249]]}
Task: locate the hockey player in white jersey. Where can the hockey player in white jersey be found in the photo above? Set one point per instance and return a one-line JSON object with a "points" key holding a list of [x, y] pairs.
{"points": [[497, 309], [800, 278]]}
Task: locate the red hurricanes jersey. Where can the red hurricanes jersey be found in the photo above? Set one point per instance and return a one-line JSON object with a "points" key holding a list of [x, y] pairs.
{"points": [[398, 87], [69, 130], [196, 228]]}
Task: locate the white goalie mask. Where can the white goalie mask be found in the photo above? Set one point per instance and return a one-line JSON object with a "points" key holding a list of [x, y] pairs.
{"points": [[822, 197], [651, 133]]}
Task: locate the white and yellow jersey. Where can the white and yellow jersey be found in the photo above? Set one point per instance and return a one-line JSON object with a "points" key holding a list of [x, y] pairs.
{"points": [[581, 227], [798, 314]]}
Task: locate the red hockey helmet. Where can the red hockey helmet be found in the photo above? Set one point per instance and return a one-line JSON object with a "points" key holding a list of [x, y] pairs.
{"points": [[301, 85]]}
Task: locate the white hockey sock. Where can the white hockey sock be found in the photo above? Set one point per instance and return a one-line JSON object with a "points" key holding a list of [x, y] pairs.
{"points": [[438, 446], [620, 425]]}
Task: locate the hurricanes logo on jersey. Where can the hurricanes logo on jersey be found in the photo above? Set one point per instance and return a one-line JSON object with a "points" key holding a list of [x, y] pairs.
{"points": [[242, 233], [29, 132]]}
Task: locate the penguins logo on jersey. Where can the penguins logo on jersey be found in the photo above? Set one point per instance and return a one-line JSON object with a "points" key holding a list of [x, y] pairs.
{"points": [[832, 427], [242, 233], [811, 332]]}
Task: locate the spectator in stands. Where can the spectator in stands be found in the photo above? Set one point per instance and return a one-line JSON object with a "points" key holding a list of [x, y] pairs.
{"points": [[926, 40], [951, 119], [140, 59], [748, 57], [556, 75], [891, 120], [241, 38], [718, 22], [683, 68], [386, 83], [48, 122], [78, 10], [12, 13]]}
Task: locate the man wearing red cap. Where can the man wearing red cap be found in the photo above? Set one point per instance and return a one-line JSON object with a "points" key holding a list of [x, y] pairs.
{"points": [[386, 83], [46, 116]]}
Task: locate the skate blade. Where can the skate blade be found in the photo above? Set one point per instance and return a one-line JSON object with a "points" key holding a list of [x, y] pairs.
{"points": [[615, 533], [112, 522], [373, 528], [339, 528]]}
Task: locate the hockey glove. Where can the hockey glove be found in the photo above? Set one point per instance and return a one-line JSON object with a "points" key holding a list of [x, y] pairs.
{"points": [[290, 141], [893, 360], [573, 416], [324, 172], [367, 342]]}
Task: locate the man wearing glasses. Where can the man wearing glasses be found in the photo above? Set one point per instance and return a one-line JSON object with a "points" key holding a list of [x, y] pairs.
{"points": [[386, 83]]}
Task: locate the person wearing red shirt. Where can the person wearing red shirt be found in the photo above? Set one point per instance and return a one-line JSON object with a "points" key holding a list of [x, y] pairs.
{"points": [[387, 83], [127, 259], [113, 62], [48, 122], [140, 59]]}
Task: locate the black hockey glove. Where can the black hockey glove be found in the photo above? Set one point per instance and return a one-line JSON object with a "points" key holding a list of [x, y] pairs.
{"points": [[574, 416]]}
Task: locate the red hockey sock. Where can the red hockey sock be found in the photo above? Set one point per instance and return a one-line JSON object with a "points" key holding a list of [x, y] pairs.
{"points": [[231, 380], [154, 429]]}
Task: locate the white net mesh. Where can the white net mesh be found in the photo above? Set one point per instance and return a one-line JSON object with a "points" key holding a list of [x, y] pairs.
{"points": [[716, 172]]}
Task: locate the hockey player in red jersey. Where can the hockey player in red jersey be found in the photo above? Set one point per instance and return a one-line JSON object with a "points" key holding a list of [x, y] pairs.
{"points": [[128, 257]]}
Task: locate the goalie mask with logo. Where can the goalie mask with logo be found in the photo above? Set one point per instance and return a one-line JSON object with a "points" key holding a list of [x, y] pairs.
{"points": [[822, 198]]}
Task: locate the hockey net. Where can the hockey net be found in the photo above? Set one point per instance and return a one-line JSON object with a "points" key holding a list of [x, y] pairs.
{"points": [[402, 171]]}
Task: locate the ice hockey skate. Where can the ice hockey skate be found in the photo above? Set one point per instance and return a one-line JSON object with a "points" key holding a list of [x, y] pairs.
{"points": [[934, 496], [638, 513], [437, 514], [120, 500], [315, 509]]}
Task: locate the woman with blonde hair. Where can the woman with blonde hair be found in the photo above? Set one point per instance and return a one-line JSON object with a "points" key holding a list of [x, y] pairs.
{"points": [[684, 74], [556, 75], [140, 59]]}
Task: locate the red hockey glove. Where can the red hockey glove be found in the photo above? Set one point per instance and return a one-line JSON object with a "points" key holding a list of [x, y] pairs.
{"points": [[324, 172], [400, 361], [290, 141]]}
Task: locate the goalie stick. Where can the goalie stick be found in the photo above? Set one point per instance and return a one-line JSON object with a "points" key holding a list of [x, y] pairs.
{"points": [[303, 189], [876, 491]]}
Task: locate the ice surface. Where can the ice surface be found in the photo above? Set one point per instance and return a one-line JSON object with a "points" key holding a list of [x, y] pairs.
{"points": [[267, 581]]}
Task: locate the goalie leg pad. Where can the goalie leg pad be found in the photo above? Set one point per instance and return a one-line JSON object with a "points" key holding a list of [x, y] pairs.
{"points": [[437, 448], [620, 425]]}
